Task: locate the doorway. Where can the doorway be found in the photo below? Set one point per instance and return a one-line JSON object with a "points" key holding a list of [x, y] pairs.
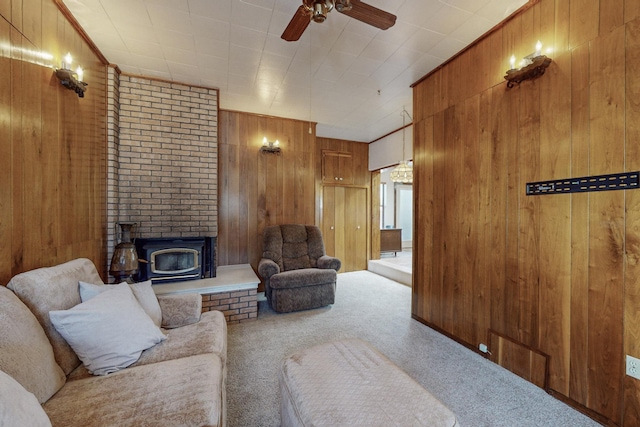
{"points": [[404, 213]]}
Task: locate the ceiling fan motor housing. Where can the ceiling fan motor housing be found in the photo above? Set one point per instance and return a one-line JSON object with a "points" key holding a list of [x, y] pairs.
{"points": [[319, 10]]}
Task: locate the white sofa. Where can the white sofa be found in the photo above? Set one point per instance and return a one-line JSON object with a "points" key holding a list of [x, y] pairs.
{"points": [[178, 382]]}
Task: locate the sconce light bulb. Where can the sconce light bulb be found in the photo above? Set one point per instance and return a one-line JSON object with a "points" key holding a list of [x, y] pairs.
{"points": [[538, 47], [512, 61], [265, 142], [277, 144], [67, 61], [80, 73]]}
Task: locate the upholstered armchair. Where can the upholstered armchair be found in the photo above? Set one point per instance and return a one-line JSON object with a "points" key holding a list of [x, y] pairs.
{"points": [[297, 273]]}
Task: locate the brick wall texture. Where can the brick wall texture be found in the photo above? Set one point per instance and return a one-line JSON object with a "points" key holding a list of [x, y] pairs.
{"points": [[237, 306], [167, 158]]}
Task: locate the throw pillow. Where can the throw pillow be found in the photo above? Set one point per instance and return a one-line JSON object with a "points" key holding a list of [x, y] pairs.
{"points": [[109, 331], [148, 300], [18, 407], [142, 291], [25, 352]]}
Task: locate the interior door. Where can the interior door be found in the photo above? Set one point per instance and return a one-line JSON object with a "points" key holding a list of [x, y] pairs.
{"points": [[344, 225], [355, 229]]}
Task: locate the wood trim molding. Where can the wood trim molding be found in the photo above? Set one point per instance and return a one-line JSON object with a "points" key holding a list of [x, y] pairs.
{"points": [[72, 20]]}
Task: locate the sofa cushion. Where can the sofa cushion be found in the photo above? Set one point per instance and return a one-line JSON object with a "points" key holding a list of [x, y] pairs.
{"points": [[209, 335], [26, 352], [180, 310], [55, 288], [18, 407], [181, 392], [303, 277], [142, 291], [108, 332]]}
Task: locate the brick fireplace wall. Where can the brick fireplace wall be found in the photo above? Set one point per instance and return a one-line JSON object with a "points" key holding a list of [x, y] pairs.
{"points": [[164, 170]]}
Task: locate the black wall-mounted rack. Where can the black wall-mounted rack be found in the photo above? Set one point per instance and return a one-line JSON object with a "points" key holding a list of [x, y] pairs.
{"points": [[617, 181]]}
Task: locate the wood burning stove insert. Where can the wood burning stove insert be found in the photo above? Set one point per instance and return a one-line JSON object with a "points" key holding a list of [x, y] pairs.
{"points": [[174, 259]]}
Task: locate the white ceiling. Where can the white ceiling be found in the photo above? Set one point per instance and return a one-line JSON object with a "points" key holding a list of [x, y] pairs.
{"points": [[350, 78]]}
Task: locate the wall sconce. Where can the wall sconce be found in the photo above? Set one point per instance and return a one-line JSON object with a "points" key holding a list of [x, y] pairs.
{"points": [[270, 147], [532, 66], [69, 79]]}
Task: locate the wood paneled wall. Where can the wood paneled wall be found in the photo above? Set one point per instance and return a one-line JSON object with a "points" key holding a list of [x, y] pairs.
{"points": [[52, 143], [557, 273], [257, 189]]}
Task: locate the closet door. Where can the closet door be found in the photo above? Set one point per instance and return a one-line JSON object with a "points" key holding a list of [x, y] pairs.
{"points": [[344, 225]]}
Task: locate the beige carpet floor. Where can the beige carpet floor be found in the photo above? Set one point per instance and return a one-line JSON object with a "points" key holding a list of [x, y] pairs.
{"points": [[378, 310]]}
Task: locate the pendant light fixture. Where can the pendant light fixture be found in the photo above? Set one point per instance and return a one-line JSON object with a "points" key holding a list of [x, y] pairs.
{"points": [[403, 173]]}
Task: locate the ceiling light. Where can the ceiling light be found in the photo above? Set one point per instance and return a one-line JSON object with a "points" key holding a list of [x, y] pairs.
{"points": [[403, 173]]}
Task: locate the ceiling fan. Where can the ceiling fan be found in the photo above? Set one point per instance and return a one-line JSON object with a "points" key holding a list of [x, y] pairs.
{"points": [[317, 11]]}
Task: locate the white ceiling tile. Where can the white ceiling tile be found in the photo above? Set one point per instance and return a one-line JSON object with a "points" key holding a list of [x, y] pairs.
{"points": [[471, 6], [351, 43], [109, 41], [469, 31], [287, 6], [177, 40], [423, 40], [425, 65], [185, 57], [126, 11], [387, 72], [265, 4], [497, 10], [447, 48], [250, 16], [350, 77], [153, 72], [246, 37], [220, 10], [357, 27], [207, 46], [144, 33], [151, 63], [214, 29], [274, 44], [417, 12], [165, 18], [178, 5], [404, 57], [379, 50], [274, 62], [242, 57], [446, 20], [278, 22], [190, 72], [210, 62], [137, 47], [364, 66], [398, 33]]}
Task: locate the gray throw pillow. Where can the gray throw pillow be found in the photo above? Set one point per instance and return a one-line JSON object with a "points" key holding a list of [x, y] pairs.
{"points": [[142, 291], [109, 331]]}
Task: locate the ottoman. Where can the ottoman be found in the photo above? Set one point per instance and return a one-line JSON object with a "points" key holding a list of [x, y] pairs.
{"points": [[350, 383]]}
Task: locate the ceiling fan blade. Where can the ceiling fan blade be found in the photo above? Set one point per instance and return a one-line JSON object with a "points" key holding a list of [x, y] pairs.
{"points": [[297, 25], [370, 15]]}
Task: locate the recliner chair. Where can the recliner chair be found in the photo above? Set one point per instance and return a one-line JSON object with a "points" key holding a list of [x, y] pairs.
{"points": [[297, 273]]}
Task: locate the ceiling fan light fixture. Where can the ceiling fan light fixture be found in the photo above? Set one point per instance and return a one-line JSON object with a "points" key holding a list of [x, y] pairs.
{"points": [[317, 11], [320, 10], [343, 5]]}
